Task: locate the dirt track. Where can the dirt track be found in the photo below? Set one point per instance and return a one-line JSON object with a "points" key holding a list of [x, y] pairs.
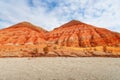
{"points": [[60, 68]]}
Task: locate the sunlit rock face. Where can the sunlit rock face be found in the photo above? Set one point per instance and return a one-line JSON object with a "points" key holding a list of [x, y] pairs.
{"points": [[71, 34], [79, 34], [22, 33], [74, 39]]}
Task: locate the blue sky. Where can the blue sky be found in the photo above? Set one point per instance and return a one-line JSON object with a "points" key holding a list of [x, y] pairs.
{"points": [[53, 13]]}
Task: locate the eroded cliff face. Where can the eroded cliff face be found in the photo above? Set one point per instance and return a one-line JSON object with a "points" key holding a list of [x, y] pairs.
{"points": [[79, 34], [21, 34], [73, 39]]}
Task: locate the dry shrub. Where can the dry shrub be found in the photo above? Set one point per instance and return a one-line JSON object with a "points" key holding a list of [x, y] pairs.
{"points": [[46, 49]]}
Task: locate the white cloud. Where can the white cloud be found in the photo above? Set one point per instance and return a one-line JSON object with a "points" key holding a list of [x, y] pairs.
{"points": [[53, 13]]}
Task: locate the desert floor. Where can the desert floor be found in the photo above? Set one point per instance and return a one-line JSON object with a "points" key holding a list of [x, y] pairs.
{"points": [[86, 68]]}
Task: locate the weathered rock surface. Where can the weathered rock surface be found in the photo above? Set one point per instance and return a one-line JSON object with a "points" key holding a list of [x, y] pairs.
{"points": [[73, 39], [79, 34], [22, 34]]}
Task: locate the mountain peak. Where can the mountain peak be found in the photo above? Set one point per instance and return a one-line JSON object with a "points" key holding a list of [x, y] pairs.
{"points": [[24, 23], [75, 21], [71, 23]]}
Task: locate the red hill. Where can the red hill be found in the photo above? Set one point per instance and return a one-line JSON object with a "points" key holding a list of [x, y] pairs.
{"points": [[79, 34], [22, 33]]}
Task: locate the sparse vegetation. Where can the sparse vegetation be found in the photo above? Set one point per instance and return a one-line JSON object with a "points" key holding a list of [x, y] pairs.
{"points": [[104, 49], [34, 52], [55, 47], [46, 49], [37, 50]]}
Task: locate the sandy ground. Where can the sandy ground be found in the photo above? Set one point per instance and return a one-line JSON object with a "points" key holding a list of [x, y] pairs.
{"points": [[60, 68]]}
